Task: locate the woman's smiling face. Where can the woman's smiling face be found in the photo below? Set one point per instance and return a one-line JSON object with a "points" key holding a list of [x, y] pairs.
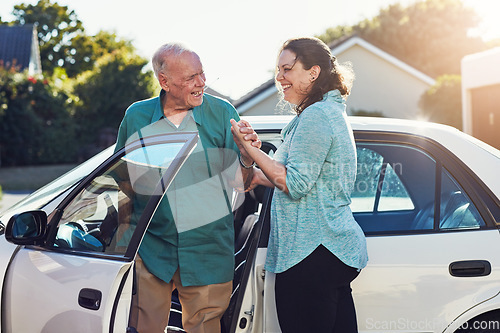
{"points": [[295, 81]]}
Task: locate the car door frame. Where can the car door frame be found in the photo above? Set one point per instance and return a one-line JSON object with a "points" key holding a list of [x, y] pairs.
{"points": [[125, 261]]}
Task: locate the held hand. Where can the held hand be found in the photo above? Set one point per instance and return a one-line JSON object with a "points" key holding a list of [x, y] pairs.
{"points": [[258, 178], [243, 131], [254, 183], [271, 172]]}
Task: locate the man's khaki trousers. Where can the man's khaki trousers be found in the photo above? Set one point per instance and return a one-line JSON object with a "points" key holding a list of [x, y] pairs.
{"points": [[202, 306]]}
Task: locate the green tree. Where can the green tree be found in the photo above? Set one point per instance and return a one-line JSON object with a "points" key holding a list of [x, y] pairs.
{"points": [[56, 26], [430, 35], [93, 80], [86, 50], [442, 103], [90, 48], [62, 38], [336, 33], [117, 80]]}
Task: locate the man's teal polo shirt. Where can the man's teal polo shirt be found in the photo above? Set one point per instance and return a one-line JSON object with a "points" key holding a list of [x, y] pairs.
{"points": [[193, 226]]}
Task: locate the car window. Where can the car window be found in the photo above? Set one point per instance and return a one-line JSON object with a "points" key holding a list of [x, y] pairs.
{"points": [[457, 210], [395, 191], [378, 185], [368, 173], [103, 215], [394, 195]]}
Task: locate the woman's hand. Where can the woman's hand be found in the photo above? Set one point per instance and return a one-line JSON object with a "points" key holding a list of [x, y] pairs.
{"points": [[245, 138], [244, 134], [271, 173]]}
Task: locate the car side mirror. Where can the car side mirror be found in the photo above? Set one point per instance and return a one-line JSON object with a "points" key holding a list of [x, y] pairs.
{"points": [[26, 228]]}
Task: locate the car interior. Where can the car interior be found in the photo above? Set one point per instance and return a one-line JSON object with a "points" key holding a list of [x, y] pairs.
{"points": [[405, 190]]}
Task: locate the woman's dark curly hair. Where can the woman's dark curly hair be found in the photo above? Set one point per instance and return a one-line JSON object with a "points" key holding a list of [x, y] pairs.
{"points": [[310, 52]]}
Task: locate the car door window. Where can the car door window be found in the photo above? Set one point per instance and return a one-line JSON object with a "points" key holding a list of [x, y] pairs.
{"points": [[378, 185], [394, 195], [394, 189], [368, 173], [457, 210], [102, 216]]}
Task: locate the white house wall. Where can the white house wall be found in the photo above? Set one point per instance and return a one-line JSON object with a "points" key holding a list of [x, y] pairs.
{"points": [[266, 106], [383, 84], [380, 86]]}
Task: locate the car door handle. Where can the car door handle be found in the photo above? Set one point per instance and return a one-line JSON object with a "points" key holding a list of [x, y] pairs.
{"points": [[469, 268], [90, 298]]}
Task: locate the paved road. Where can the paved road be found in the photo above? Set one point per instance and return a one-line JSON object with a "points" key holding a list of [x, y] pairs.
{"points": [[10, 198]]}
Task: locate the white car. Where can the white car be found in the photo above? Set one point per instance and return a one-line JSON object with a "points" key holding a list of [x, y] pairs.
{"points": [[426, 195]]}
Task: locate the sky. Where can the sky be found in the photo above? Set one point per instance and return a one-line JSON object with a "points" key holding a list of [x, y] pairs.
{"points": [[237, 40]]}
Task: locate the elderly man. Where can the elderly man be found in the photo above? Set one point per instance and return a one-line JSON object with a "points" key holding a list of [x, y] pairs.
{"points": [[189, 243]]}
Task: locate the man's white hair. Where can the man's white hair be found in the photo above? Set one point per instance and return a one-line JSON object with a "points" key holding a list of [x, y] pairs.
{"points": [[165, 51]]}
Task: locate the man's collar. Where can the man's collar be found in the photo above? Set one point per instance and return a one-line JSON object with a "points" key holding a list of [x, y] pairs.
{"points": [[159, 110]]}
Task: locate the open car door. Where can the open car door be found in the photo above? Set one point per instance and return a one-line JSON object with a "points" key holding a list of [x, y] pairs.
{"points": [[73, 269]]}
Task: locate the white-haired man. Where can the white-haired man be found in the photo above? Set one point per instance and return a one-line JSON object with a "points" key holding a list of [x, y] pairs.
{"points": [[189, 243]]}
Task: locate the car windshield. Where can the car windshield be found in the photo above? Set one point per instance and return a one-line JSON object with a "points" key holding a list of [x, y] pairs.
{"points": [[47, 193]]}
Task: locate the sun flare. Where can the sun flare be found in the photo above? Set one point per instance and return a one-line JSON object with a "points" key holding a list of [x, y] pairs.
{"points": [[488, 11]]}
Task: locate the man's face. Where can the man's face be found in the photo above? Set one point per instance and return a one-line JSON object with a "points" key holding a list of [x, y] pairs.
{"points": [[185, 81]]}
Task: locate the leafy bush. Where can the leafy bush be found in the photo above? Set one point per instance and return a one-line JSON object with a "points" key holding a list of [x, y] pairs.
{"points": [[365, 113], [442, 103], [35, 122]]}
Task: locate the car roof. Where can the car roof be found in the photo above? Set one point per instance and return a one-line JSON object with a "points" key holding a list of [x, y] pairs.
{"points": [[480, 157]]}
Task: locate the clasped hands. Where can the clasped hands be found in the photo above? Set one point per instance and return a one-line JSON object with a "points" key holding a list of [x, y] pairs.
{"points": [[270, 172], [248, 142], [245, 138]]}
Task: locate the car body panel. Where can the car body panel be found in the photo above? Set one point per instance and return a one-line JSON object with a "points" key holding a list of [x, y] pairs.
{"points": [[400, 293], [412, 272], [6, 251], [55, 281]]}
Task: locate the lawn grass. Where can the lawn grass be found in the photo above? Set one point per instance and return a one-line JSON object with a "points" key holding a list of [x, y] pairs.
{"points": [[30, 178]]}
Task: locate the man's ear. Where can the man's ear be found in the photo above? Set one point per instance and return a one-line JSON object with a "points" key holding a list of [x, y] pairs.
{"points": [[164, 82]]}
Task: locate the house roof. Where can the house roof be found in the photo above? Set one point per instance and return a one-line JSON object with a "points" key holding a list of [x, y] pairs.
{"points": [[16, 45], [338, 46], [256, 95], [214, 92]]}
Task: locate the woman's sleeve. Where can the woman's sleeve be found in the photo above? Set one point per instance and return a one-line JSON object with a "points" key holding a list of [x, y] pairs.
{"points": [[309, 149]]}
